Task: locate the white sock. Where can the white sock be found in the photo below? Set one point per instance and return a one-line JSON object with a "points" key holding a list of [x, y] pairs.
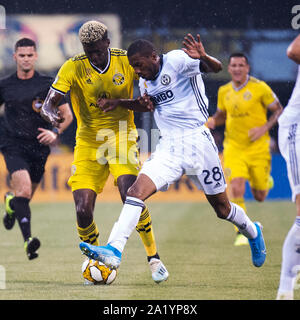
{"points": [[127, 222], [239, 218], [290, 258]]}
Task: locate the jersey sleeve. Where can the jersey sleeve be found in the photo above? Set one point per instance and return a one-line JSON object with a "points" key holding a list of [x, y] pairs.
{"points": [[220, 102], [64, 77], [268, 96], [184, 64]]}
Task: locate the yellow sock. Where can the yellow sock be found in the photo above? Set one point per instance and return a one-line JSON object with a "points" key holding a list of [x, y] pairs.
{"points": [[89, 234], [240, 202], [145, 230]]}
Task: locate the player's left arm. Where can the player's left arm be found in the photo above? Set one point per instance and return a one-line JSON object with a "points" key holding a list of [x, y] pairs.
{"points": [[195, 49], [276, 109]]}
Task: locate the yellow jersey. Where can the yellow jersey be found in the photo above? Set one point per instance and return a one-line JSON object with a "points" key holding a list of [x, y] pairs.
{"points": [[245, 108], [87, 83]]}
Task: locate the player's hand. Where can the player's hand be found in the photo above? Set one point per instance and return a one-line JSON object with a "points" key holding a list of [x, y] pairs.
{"points": [[55, 118], [107, 104], [146, 102], [194, 48], [211, 123], [256, 133], [46, 136]]}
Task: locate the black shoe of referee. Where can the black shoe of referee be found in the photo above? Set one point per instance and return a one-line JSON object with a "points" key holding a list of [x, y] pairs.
{"points": [[31, 245], [9, 215]]}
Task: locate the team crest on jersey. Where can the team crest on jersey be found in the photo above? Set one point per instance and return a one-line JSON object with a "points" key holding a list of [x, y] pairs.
{"points": [[118, 79], [37, 104], [247, 95], [165, 79]]}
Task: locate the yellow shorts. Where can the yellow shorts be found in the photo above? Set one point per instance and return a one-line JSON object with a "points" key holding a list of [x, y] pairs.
{"points": [[255, 168], [92, 165]]}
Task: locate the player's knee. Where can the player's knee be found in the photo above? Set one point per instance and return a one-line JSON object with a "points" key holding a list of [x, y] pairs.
{"points": [[84, 210], [237, 192], [24, 191], [260, 196], [135, 191]]}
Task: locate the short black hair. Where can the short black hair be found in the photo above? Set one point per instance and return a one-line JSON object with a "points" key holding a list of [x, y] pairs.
{"points": [[25, 42], [238, 55], [142, 47]]}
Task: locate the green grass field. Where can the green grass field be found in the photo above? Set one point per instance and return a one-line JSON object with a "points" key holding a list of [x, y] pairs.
{"points": [[196, 247]]}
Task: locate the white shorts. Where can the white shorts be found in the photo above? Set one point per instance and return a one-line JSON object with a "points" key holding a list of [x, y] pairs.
{"points": [[289, 146], [194, 153]]}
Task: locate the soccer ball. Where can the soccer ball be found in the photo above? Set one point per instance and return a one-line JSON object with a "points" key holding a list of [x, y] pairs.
{"points": [[95, 272]]}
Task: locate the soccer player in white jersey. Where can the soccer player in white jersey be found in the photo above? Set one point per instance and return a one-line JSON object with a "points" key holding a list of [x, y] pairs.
{"points": [[289, 145], [174, 83]]}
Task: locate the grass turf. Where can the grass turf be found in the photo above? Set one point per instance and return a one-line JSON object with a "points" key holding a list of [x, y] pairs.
{"points": [[196, 247]]}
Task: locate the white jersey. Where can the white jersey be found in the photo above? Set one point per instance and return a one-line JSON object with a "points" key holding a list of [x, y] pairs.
{"points": [[291, 113], [178, 93]]}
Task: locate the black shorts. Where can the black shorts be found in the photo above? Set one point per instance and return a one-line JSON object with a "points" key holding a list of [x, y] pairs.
{"points": [[26, 156]]}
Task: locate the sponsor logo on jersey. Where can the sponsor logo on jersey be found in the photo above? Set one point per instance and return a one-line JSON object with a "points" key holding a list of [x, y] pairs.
{"points": [[165, 79], [163, 97]]}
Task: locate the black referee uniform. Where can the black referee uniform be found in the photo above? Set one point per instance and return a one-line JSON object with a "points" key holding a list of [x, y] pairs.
{"points": [[18, 141]]}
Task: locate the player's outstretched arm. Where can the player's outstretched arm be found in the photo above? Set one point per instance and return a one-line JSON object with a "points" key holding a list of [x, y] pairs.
{"points": [[141, 104], [195, 49], [218, 119], [50, 111], [293, 51]]}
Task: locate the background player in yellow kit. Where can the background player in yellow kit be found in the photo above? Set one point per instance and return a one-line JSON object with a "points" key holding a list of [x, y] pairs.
{"points": [[105, 142], [243, 104]]}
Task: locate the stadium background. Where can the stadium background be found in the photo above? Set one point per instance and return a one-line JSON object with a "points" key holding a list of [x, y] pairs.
{"points": [[261, 29]]}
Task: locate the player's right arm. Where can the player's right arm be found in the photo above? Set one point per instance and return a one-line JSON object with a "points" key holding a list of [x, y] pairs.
{"points": [[50, 110], [62, 84], [293, 51], [219, 118], [141, 104]]}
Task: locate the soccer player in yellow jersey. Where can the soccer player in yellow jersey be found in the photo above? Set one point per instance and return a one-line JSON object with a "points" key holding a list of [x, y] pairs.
{"points": [[105, 142], [243, 104]]}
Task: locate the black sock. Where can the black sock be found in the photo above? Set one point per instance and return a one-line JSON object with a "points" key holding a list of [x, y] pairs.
{"points": [[156, 256], [20, 205]]}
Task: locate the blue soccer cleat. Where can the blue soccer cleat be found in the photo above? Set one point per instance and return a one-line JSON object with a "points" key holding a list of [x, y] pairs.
{"points": [[108, 255], [258, 248]]}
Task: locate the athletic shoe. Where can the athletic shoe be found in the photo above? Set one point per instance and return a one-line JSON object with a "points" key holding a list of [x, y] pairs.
{"points": [[108, 255], [158, 270], [270, 182], [241, 240], [258, 248], [285, 295], [9, 215], [31, 245]]}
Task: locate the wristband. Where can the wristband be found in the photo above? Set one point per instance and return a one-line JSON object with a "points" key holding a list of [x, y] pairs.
{"points": [[55, 130]]}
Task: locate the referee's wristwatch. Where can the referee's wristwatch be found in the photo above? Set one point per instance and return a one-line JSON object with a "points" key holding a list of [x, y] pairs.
{"points": [[55, 130]]}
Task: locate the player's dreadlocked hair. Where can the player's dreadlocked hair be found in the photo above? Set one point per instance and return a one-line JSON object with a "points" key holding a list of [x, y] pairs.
{"points": [[92, 31], [141, 46]]}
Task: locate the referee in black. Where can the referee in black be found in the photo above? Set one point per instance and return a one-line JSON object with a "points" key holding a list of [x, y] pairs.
{"points": [[26, 137]]}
